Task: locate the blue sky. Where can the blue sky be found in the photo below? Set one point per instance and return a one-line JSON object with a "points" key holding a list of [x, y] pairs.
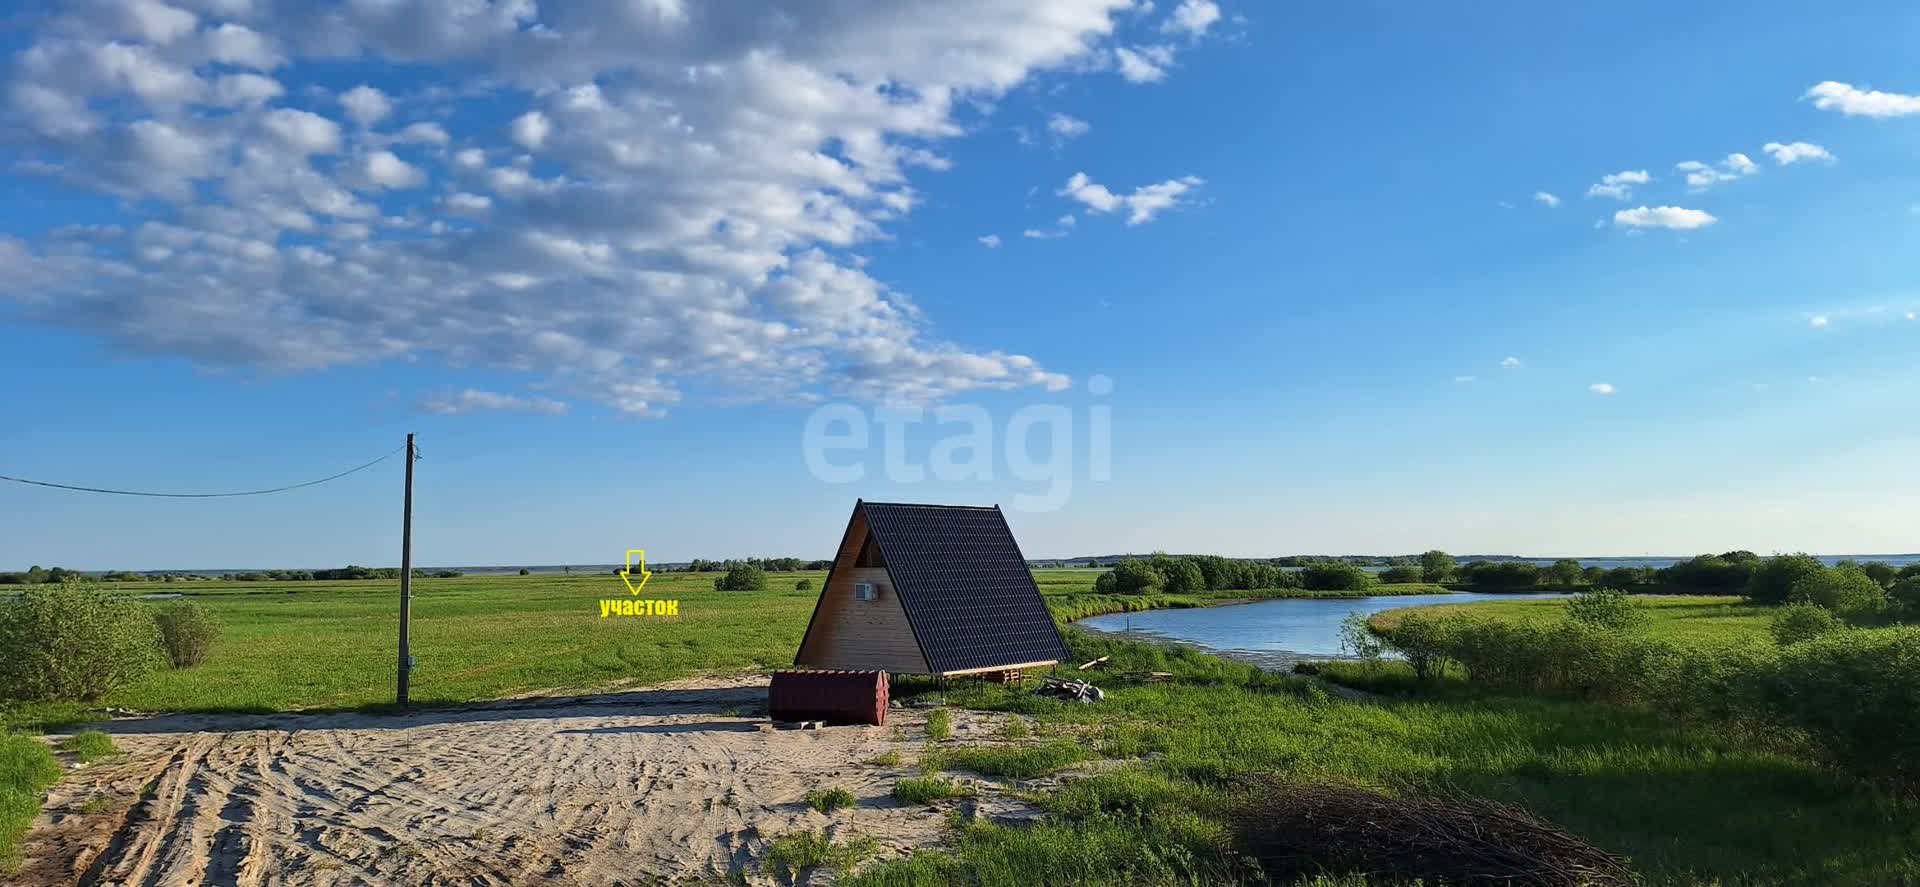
{"points": [[608, 259]]}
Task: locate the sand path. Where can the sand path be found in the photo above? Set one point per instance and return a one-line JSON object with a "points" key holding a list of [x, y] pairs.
{"points": [[670, 783]]}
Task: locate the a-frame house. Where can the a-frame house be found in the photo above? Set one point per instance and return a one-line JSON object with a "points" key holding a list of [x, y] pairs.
{"points": [[929, 590]]}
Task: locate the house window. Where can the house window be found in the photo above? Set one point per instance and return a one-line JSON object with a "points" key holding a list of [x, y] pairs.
{"points": [[866, 591]]}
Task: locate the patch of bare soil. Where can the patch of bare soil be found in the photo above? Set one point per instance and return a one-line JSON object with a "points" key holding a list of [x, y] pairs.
{"points": [[675, 782]]}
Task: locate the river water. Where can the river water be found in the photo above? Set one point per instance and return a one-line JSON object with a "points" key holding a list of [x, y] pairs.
{"points": [[1273, 632]]}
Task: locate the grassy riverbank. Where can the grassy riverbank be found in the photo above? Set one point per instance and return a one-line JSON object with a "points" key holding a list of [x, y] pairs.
{"points": [[1633, 783], [1681, 618]]}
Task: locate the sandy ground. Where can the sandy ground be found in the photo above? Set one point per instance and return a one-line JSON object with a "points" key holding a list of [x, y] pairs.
{"points": [[674, 783]]}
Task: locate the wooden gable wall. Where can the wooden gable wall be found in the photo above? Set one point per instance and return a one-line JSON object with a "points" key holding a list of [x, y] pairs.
{"points": [[849, 633]]}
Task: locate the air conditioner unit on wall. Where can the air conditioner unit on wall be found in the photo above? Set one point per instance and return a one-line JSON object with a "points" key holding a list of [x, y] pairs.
{"points": [[865, 591]]}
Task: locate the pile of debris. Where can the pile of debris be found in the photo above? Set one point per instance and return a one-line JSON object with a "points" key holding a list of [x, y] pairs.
{"points": [[1304, 830], [1072, 691]]}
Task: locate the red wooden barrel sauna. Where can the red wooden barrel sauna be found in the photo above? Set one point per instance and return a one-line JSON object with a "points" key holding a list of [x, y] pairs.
{"points": [[837, 697]]}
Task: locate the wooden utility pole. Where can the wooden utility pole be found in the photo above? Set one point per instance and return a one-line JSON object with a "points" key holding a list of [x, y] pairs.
{"points": [[406, 578]]}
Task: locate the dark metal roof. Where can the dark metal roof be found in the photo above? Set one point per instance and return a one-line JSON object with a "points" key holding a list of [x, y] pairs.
{"points": [[966, 588]]}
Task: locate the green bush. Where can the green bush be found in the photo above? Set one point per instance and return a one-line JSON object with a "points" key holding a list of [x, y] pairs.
{"points": [[803, 585], [89, 746], [76, 641], [1181, 576], [187, 632], [1335, 576], [1401, 575], [1905, 595], [1848, 591], [1801, 621], [1130, 577], [1856, 694], [829, 800], [1425, 641], [1773, 579], [1504, 574], [1606, 608], [741, 577]]}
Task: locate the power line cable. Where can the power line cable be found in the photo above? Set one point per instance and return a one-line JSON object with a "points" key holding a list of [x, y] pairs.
{"points": [[42, 483]]}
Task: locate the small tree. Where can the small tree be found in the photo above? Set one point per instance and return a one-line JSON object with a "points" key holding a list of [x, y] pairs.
{"points": [[1436, 566], [1773, 580], [1335, 576], [1801, 621], [803, 585], [76, 641], [742, 577], [1182, 576], [1400, 575], [524, 571], [1565, 573], [187, 632], [1849, 592], [1132, 576], [1606, 608]]}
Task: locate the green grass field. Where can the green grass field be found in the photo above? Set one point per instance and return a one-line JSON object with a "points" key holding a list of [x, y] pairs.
{"points": [[1685, 618], [1684, 803]]}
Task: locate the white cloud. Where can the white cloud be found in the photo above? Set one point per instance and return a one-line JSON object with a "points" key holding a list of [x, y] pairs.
{"points": [[990, 241], [1819, 320], [1065, 127], [384, 169], [1794, 152], [1856, 102], [707, 174], [1701, 176], [365, 104], [1619, 185], [530, 130], [473, 400], [1041, 234], [1601, 388], [1463, 379], [1192, 18], [1510, 363], [1143, 64], [1674, 217], [1549, 200], [1142, 205], [303, 131]]}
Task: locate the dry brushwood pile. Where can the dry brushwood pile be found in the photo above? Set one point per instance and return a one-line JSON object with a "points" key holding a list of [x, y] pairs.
{"points": [[1303, 830]]}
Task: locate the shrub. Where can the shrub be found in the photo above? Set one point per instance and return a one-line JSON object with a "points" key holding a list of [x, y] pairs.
{"points": [[1801, 621], [1508, 574], [831, 799], [1132, 577], [187, 632], [1906, 596], [1334, 576], [1621, 578], [1850, 593], [1425, 641], [741, 577], [1401, 575], [1773, 579], [803, 585], [1856, 694], [89, 746], [926, 790], [76, 641], [939, 724], [1181, 576], [1436, 566], [1606, 608], [525, 572]]}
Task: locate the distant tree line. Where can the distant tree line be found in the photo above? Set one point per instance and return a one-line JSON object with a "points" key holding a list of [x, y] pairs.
{"points": [[767, 564], [1186, 574], [56, 575]]}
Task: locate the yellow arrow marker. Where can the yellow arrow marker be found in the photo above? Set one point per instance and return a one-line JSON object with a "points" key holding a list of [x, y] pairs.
{"points": [[626, 575]]}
